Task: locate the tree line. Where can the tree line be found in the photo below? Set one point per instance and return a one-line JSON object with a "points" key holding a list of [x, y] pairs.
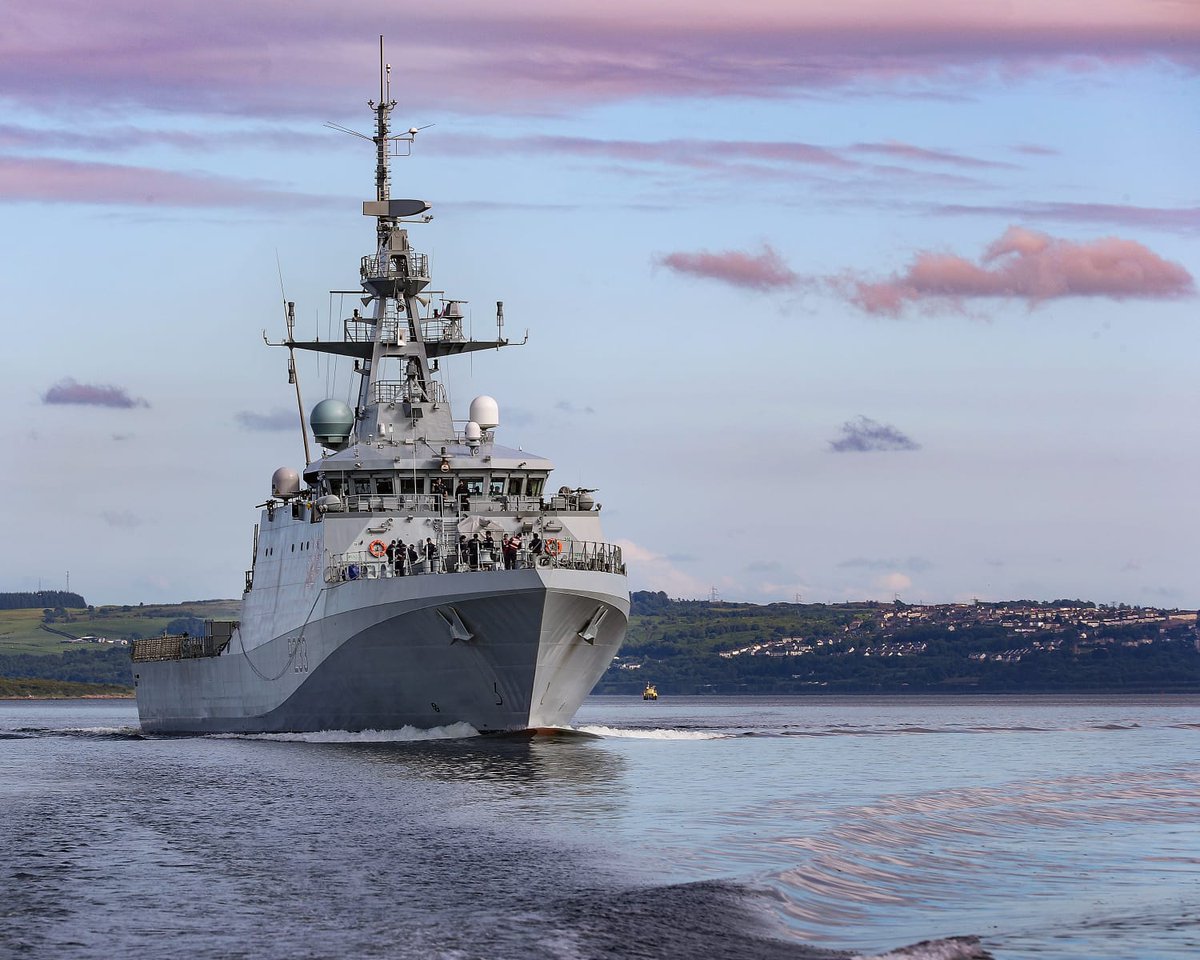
{"points": [[41, 598]]}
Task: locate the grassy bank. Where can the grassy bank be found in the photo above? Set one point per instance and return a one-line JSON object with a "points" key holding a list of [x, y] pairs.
{"points": [[28, 688]]}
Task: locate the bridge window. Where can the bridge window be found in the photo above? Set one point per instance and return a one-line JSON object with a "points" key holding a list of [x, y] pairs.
{"points": [[514, 485], [536, 485], [496, 486]]}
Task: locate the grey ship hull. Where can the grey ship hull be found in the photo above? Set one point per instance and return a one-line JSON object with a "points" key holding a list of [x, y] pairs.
{"points": [[507, 650]]}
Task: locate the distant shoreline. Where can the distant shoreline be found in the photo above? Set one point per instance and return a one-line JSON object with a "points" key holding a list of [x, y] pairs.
{"points": [[71, 696]]}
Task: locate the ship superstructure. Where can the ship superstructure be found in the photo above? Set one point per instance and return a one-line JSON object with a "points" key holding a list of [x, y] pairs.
{"points": [[417, 572]]}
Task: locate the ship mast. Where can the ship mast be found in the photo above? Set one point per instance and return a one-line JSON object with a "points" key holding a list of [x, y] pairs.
{"points": [[393, 278], [398, 401], [382, 111]]}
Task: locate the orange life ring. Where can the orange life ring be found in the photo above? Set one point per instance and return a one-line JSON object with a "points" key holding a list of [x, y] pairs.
{"points": [[553, 547], [377, 548]]}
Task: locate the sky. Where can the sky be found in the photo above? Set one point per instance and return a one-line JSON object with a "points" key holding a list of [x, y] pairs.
{"points": [[829, 300]]}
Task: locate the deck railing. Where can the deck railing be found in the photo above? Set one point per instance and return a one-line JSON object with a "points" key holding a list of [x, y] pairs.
{"points": [[401, 266], [394, 391], [438, 503], [443, 329], [553, 553]]}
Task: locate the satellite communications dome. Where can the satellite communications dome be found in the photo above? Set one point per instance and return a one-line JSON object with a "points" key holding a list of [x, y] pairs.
{"points": [[285, 483], [485, 412], [331, 422]]}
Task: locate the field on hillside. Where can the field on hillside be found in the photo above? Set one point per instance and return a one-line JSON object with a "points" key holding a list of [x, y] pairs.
{"points": [[31, 689], [22, 631]]}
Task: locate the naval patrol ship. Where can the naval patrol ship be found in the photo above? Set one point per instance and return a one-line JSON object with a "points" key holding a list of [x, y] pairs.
{"points": [[417, 573]]}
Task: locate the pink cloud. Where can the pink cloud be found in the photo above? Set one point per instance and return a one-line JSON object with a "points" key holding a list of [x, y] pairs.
{"points": [[273, 57], [51, 180], [692, 153], [762, 271], [1181, 219], [67, 391], [1025, 265], [124, 138], [1036, 150], [909, 152]]}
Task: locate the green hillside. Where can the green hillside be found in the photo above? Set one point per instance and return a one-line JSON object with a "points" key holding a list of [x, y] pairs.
{"points": [[45, 644], [32, 631], [693, 646]]}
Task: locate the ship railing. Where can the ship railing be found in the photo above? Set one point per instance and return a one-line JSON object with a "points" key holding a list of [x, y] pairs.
{"points": [[443, 329], [362, 330], [396, 265], [439, 503], [581, 555], [398, 391], [552, 553]]}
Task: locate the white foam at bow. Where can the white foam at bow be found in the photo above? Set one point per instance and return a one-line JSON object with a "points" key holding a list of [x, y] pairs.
{"points": [[653, 734], [453, 731]]}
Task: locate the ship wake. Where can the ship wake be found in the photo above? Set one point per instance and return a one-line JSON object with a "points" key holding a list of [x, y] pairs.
{"points": [[654, 734], [453, 731]]}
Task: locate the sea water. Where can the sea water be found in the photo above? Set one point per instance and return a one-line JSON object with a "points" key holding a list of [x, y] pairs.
{"points": [[691, 827]]}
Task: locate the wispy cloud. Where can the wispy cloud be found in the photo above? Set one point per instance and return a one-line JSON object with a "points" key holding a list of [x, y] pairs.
{"points": [[908, 151], [742, 161], [695, 153], [1022, 265], [276, 420], [911, 564], [864, 435], [568, 407], [655, 571], [480, 55], [1178, 219], [764, 270], [121, 138], [52, 180], [68, 391], [1036, 150], [121, 519]]}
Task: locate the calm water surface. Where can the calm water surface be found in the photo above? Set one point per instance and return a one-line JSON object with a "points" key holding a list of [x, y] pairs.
{"points": [[690, 827]]}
